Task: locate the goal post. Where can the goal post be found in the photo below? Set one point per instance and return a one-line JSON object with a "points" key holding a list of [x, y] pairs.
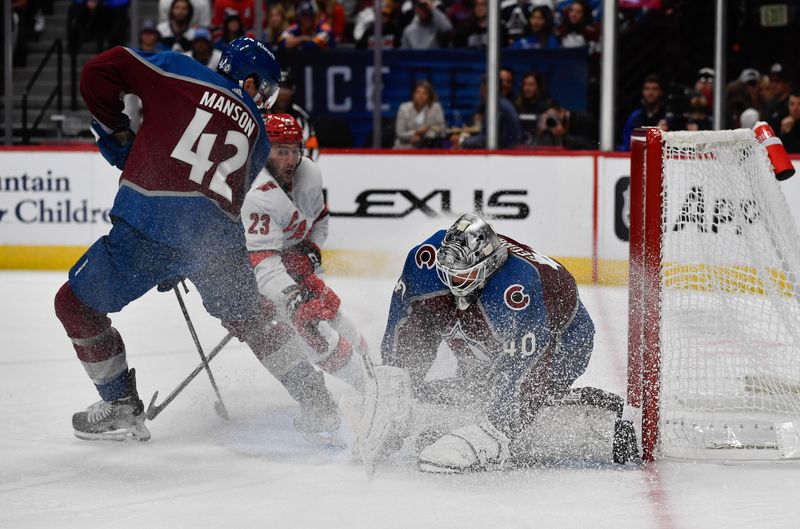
{"points": [[714, 299]]}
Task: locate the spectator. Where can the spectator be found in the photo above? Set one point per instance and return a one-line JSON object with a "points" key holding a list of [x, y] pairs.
{"points": [[201, 12], [532, 99], [364, 18], [429, 29], [177, 33], [245, 8], [307, 33], [113, 23], [202, 50], [83, 21], [529, 104], [777, 107], [232, 29], [284, 104], [392, 33], [507, 84], [751, 77], [460, 14], [704, 86], [698, 117], [651, 113], [476, 36], [738, 98], [150, 38], [559, 127], [514, 20], [578, 28], [539, 33], [331, 12], [790, 125], [420, 122], [104, 21], [508, 129], [763, 94]]}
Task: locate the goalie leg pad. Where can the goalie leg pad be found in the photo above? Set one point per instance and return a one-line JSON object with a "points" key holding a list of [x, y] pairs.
{"points": [[386, 416], [476, 447]]}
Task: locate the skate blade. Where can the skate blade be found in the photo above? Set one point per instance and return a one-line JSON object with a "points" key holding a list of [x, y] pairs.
{"points": [[122, 434], [325, 439], [436, 468], [433, 468]]}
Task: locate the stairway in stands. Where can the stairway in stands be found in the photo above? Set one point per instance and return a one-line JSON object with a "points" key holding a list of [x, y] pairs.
{"points": [[70, 125]]}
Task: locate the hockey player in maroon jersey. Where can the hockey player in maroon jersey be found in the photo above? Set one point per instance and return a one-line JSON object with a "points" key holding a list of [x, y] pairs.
{"points": [[286, 224], [517, 330], [176, 214]]}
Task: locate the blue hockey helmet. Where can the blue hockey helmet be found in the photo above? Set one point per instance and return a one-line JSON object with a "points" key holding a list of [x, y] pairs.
{"points": [[469, 254], [245, 57]]}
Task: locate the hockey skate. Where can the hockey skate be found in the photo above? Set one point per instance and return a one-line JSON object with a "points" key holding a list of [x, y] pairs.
{"points": [[471, 448], [319, 425], [119, 420], [386, 417]]}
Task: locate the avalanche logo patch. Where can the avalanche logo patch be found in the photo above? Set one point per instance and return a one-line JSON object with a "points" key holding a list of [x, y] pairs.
{"points": [[515, 297], [425, 256], [400, 288]]}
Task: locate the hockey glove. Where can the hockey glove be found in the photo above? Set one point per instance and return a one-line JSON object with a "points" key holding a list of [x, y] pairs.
{"points": [[306, 311], [302, 260], [113, 150]]}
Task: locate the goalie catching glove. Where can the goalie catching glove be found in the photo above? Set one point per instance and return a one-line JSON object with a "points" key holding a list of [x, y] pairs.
{"points": [[115, 147]]}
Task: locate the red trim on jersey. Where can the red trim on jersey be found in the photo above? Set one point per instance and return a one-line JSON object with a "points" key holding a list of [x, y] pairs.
{"points": [[258, 256], [339, 357]]}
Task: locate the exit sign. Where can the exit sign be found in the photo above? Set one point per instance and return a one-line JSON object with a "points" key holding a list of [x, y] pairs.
{"points": [[773, 16]]}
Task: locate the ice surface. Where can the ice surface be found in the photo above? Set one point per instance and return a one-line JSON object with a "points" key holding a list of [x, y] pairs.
{"points": [[199, 471]]}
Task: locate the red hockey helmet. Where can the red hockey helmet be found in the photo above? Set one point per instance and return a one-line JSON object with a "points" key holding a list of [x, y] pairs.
{"points": [[283, 128]]}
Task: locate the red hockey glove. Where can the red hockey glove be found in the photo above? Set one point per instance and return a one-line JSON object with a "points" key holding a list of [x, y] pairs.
{"points": [[306, 311], [302, 260]]}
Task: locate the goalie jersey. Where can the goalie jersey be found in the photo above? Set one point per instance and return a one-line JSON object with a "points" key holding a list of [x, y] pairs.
{"points": [[526, 331]]}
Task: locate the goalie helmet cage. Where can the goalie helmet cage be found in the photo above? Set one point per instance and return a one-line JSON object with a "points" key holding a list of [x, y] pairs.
{"points": [[714, 301]]}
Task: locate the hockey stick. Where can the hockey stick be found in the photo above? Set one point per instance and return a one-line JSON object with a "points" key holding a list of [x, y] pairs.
{"points": [[153, 410], [219, 406]]}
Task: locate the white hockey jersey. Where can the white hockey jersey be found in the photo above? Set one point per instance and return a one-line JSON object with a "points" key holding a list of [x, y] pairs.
{"points": [[275, 221]]}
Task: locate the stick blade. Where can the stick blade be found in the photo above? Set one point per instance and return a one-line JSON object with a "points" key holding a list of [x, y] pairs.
{"points": [[152, 409]]}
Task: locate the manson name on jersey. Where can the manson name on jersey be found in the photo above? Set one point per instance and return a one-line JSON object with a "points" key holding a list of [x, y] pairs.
{"points": [[232, 109]]}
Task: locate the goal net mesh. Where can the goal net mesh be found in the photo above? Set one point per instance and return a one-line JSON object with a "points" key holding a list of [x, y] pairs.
{"points": [[730, 299]]}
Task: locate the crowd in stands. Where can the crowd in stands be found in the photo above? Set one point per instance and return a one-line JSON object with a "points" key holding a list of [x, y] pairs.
{"points": [[528, 115], [753, 96]]}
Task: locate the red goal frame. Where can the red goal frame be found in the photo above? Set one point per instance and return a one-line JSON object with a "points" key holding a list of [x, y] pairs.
{"points": [[644, 295]]}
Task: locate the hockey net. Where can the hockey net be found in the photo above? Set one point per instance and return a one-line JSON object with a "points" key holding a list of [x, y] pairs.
{"points": [[714, 313]]}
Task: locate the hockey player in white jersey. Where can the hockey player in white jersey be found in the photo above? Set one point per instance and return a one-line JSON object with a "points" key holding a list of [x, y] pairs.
{"points": [[286, 224]]}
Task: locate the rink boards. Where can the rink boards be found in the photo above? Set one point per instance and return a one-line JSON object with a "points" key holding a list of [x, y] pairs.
{"points": [[574, 207]]}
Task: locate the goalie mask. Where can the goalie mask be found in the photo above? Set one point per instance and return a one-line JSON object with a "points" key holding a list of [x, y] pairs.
{"points": [[469, 254]]}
